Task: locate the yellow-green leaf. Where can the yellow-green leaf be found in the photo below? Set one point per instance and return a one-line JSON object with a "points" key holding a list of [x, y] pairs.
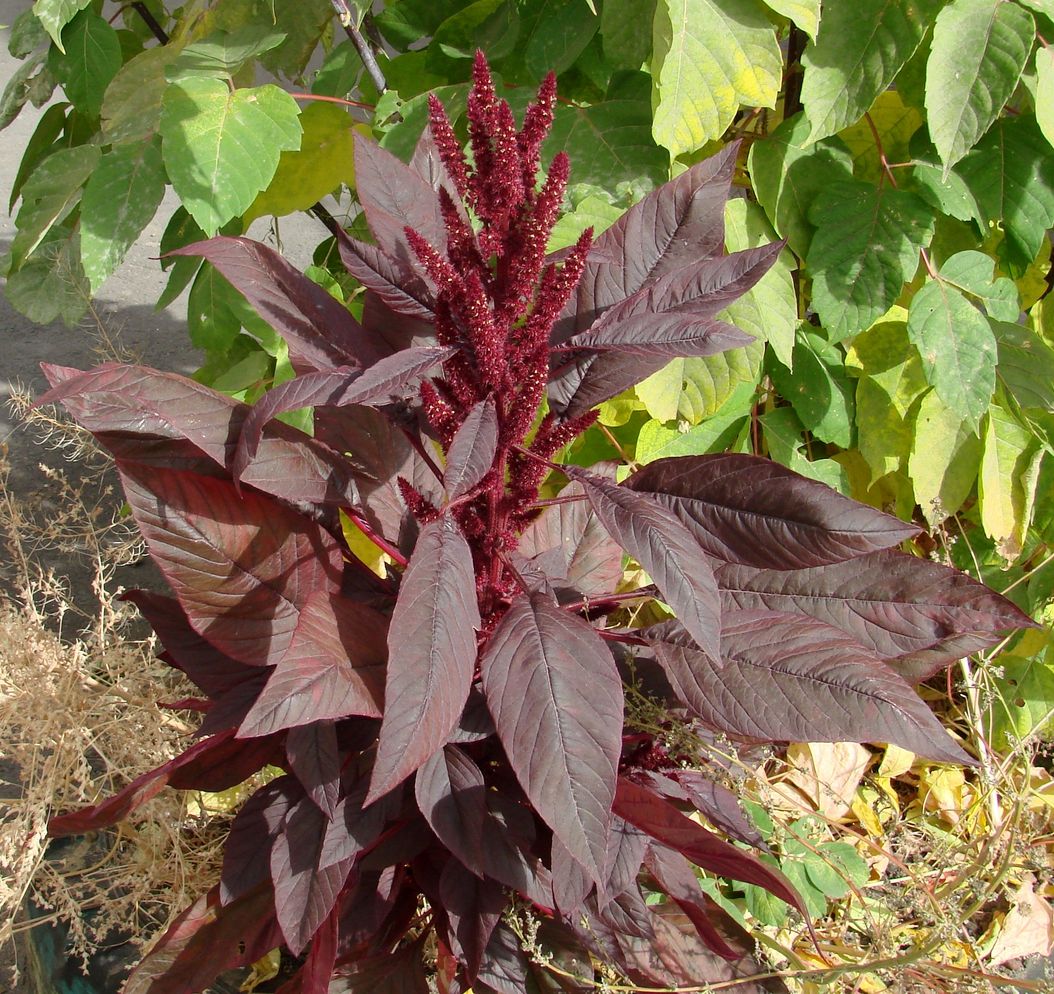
{"points": [[945, 455], [1045, 91], [1007, 484], [709, 58], [804, 13], [325, 159]]}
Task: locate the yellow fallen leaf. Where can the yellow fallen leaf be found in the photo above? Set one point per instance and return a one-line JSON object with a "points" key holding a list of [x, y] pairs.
{"points": [[828, 774], [362, 548], [944, 792], [1028, 927], [895, 761], [262, 970]]}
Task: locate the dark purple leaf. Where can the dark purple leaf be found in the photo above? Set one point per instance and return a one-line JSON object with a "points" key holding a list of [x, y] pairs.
{"points": [[205, 940], [675, 315], [627, 914], [304, 892], [396, 197], [431, 654], [140, 414], [225, 766], [556, 699], [675, 226], [201, 661], [392, 378], [317, 970], [626, 847], [504, 965], [473, 908], [354, 829], [785, 678], [451, 794], [242, 566], [571, 882], [318, 328], [592, 561], [591, 378], [903, 608], [744, 509], [334, 667], [247, 851], [718, 805], [665, 549], [315, 760], [399, 972], [229, 709], [398, 285], [472, 450], [677, 878], [665, 824], [475, 723]]}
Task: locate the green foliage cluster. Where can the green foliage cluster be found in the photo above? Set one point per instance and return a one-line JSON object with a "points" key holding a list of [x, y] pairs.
{"points": [[904, 347]]}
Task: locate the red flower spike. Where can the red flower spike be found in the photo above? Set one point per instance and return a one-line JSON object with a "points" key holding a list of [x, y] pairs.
{"points": [[462, 247], [487, 341], [439, 269], [442, 416], [420, 507], [449, 148], [536, 124]]}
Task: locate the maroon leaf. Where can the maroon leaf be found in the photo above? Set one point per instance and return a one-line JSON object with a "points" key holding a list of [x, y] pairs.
{"points": [[663, 335], [315, 975], [201, 661], [304, 892], [591, 378], [451, 794], [678, 880], [786, 678], [628, 913], [504, 965], [333, 667], [400, 288], [431, 654], [205, 940], [673, 227], [318, 328], [242, 566], [247, 851], [664, 823], [665, 549], [718, 805], [315, 759], [626, 847], [400, 972], [472, 450], [592, 560], [354, 829], [556, 698], [139, 413], [744, 509], [396, 197], [903, 608], [473, 908], [391, 378], [571, 882]]}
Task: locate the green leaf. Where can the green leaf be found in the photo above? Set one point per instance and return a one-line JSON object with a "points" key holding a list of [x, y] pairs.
{"points": [[608, 143], [223, 53], [120, 198], [91, 60], [895, 123], [17, 90], [339, 72], [625, 27], [718, 433], [303, 24], [834, 867], [1026, 366], [860, 47], [592, 211], [49, 195], [1006, 486], [1011, 175], [181, 230], [795, 871], [556, 35], [804, 13], [56, 14], [412, 117], [324, 160], [221, 148], [769, 310], [957, 348], [948, 194], [27, 35], [709, 58], [818, 388], [788, 176], [866, 245], [783, 436], [945, 456], [891, 380], [131, 108], [408, 21], [1025, 690], [1045, 91], [978, 52], [38, 148], [693, 389], [974, 272], [212, 314], [52, 285]]}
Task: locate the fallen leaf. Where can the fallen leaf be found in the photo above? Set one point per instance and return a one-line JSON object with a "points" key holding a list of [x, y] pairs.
{"points": [[1028, 927], [828, 774]]}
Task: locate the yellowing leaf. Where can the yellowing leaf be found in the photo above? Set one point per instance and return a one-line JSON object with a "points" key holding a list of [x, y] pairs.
{"points": [[361, 547], [943, 791], [895, 123], [264, 969], [709, 58], [1028, 928], [895, 761], [325, 159], [944, 458], [1045, 91], [804, 13], [1007, 484]]}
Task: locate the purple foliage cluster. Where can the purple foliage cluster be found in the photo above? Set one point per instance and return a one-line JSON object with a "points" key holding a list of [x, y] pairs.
{"points": [[457, 776]]}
